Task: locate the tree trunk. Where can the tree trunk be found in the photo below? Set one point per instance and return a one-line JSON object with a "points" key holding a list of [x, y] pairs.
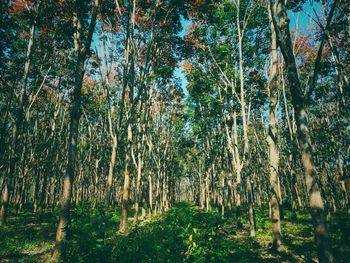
{"points": [[17, 129], [139, 173], [4, 204], [150, 194], [272, 142], [251, 208], [238, 172], [81, 55], [111, 169], [123, 229], [316, 202]]}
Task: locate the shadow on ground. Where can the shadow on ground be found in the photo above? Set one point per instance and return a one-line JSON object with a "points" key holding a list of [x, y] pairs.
{"points": [[183, 234]]}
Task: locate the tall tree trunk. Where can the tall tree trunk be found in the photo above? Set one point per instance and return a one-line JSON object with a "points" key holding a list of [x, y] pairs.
{"points": [[126, 189], [23, 97], [138, 182], [150, 194], [251, 208], [238, 172], [281, 24], [111, 169], [4, 204], [81, 52], [272, 142], [114, 144], [128, 87]]}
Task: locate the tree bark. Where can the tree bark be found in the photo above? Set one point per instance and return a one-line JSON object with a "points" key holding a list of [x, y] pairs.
{"points": [[251, 208], [123, 229], [272, 142], [238, 172], [23, 98], [281, 24], [81, 52]]}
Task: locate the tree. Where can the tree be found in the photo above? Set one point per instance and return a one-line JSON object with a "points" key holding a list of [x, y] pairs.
{"points": [[281, 25], [272, 141], [82, 41]]}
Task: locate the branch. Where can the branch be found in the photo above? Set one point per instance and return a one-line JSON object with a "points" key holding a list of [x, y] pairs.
{"points": [[313, 79]]}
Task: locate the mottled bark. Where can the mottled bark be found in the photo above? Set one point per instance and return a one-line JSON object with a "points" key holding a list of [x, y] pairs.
{"points": [[4, 204], [238, 172], [139, 174], [281, 24], [111, 168], [20, 118], [81, 52], [123, 228], [251, 208], [272, 142]]}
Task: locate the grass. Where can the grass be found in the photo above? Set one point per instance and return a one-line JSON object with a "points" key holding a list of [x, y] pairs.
{"points": [[184, 234]]}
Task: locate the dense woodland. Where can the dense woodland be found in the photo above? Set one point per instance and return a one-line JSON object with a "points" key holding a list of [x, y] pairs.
{"points": [[175, 131]]}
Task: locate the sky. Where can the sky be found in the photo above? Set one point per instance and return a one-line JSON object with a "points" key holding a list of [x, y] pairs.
{"points": [[303, 20], [178, 73]]}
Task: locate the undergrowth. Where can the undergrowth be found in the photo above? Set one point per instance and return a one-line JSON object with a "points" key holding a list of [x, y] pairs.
{"points": [[183, 234]]}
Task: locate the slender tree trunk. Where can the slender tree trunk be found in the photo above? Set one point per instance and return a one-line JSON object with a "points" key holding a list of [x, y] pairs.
{"points": [[316, 202], [346, 189], [150, 194], [207, 203], [111, 169], [139, 173], [4, 204], [81, 51], [128, 88], [240, 34], [251, 208], [114, 144], [123, 229], [238, 172], [43, 193], [69, 175], [272, 142], [17, 129]]}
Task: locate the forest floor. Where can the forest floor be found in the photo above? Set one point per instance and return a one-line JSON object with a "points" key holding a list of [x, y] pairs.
{"points": [[183, 234]]}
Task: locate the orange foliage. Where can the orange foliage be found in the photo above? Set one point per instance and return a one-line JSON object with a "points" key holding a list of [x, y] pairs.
{"points": [[84, 91], [187, 66], [196, 2], [45, 29], [194, 5], [88, 85], [17, 6], [127, 97], [121, 10], [304, 48], [139, 18]]}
